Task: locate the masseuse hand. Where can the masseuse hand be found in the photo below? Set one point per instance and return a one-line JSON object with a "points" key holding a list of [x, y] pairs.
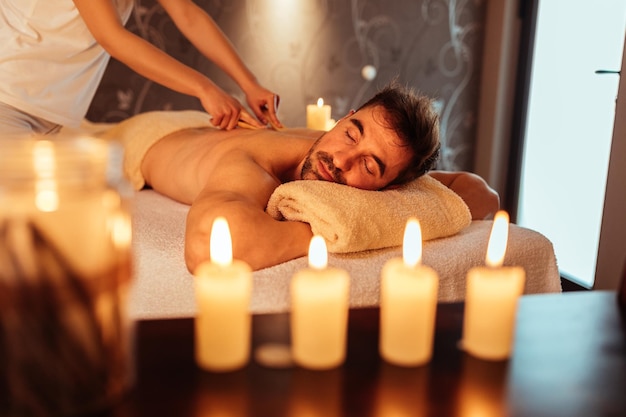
{"points": [[264, 104], [224, 109]]}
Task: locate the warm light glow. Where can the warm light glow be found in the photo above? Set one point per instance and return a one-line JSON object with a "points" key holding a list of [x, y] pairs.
{"points": [[412, 244], [43, 158], [498, 239], [44, 164], [320, 102], [318, 254], [46, 196], [221, 245], [121, 230]]}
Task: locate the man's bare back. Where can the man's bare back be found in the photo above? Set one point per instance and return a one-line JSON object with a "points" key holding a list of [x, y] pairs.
{"points": [[182, 164]]}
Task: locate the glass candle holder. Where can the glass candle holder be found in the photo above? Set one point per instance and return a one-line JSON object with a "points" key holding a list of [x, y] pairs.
{"points": [[65, 271]]}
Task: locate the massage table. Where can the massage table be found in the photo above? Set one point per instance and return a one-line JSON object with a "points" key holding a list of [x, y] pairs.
{"points": [[164, 288], [453, 243]]}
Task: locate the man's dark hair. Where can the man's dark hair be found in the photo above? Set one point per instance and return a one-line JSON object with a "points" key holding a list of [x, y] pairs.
{"points": [[412, 116]]}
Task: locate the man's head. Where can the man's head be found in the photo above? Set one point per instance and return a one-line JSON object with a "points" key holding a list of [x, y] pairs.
{"points": [[391, 139]]}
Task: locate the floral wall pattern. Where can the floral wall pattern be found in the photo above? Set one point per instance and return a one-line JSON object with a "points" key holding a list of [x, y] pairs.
{"points": [[305, 49]]}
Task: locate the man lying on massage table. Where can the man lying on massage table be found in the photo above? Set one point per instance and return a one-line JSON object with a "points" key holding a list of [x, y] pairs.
{"points": [[391, 139]]}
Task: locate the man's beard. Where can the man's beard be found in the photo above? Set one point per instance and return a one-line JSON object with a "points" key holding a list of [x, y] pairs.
{"points": [[327, 160]]}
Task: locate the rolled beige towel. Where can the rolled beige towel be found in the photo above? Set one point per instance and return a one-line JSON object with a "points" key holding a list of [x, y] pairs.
{"points": [[352, 220]]}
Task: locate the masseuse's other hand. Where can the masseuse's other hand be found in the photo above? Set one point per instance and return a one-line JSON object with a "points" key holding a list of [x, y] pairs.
{"points": [[224, 109], [264, 104]]}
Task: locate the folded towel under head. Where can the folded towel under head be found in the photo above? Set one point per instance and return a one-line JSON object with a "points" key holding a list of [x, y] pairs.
{"points": [[352, 220]]}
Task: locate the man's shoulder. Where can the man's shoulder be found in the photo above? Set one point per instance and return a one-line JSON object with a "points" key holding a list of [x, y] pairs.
{"points": [[270, 143], [279, 153]]}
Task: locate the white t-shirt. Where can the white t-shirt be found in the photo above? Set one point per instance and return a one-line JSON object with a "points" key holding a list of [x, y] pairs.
{"points": [[50, 64]]}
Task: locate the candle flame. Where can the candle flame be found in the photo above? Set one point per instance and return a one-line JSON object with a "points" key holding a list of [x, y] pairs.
{"points": [[318, 255], [412, 244], [221, 244], [320, 102], [498, 239]]}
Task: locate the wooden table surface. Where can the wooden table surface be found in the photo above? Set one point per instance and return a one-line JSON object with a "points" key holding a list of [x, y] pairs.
{"points": [[569, 360]]}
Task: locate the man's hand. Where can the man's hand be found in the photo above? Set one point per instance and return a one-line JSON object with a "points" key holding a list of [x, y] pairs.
{"points": [[482, 200]]}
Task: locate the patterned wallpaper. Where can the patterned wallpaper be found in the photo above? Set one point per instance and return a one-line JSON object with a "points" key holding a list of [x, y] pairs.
{"points": [[305, 49]]}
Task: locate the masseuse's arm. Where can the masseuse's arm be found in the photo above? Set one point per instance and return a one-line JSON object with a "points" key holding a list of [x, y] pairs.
{"points": [[146, 59], [239, 191], [202, 31], [482, 200]]}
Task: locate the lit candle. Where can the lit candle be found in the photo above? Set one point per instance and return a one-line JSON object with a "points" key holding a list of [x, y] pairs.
{"points": [[491, 299], [223, 287], [318, 116], [408, 304], [319, 311]]}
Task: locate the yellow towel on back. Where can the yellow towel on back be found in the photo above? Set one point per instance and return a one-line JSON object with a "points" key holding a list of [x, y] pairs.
{"points": [[140, 132], [352, 220]]}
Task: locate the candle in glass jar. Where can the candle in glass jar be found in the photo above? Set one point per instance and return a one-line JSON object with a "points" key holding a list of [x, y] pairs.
{"points": [[491, 299], [319, 311], [318, 116], [222, 287], [408, 304]]}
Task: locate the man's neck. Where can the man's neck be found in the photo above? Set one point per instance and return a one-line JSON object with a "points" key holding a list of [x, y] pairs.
{"points": [[295, 146], [293, 172]]}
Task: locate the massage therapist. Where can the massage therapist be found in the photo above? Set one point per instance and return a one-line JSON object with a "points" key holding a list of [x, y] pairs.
{"points": [[53, 54]]}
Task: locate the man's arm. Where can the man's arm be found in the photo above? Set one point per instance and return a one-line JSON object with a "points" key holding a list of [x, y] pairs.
{"points": [[482, 200], [240, 193]]}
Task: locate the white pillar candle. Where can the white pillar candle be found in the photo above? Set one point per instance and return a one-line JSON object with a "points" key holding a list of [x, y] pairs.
{"points": [[319, 311], [491, 299], [408, 304], [223, 287], [318, 115]]}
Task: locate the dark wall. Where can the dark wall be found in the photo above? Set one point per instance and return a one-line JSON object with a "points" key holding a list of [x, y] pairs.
{"points": [[305, 49]]}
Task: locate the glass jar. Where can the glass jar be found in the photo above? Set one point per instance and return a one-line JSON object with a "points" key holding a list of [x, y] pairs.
{"points": [[65, 270]]}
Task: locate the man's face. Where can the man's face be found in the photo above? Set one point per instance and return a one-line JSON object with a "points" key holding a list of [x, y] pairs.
{"points": [[359, 151]]}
